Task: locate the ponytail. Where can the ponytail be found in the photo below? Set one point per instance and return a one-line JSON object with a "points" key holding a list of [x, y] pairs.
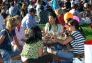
{"points": [[77, 26]]}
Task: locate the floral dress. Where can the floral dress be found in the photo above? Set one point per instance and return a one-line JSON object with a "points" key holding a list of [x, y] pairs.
{"points": [[31, 50]]}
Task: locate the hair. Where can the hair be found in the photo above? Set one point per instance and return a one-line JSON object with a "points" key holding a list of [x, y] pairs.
{"points": [[17, 17], [34, 35], [32, 10], [75, 6], [39, 1], [10, 22], [11, 3], [24, 5], [54, 16], [75, 23]]}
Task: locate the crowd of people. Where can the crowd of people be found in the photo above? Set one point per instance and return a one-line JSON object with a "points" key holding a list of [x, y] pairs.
{"points": [[62, 36]]}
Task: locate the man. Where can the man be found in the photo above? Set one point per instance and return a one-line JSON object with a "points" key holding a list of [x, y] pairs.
{"points": [[30, 25], [86, 15], [13, 10], [29, 20]]}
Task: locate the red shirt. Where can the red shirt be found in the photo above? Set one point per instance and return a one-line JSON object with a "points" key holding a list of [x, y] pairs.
{"points": [[61, 19]]}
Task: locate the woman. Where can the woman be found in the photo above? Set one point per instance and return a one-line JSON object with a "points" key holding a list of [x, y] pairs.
{"points": [[23, 9], [38, 10], [76, 40], [19, 30], [52, 28], [30, 52], [7, 35], [52, 25]]}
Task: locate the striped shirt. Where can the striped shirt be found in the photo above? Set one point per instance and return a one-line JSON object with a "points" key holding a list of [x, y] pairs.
{"points": [[78, 42]]}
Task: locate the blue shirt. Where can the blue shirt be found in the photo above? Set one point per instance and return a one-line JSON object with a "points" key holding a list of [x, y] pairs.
{"points": [[6, 45], [13, 10], [29, 21], [55, 5]]}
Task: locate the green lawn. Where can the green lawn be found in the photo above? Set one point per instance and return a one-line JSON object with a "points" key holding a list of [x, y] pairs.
{"points": [[88, 32]]}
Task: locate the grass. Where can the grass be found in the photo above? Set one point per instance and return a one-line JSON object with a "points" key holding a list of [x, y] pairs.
{"points": [[88, 32]]}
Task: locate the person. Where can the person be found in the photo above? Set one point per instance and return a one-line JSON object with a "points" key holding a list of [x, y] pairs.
{"points": [[76, 40], [81, 6], [55, 5], [29, 20], [75, 2], [20, 33], [31, 5], [30, 52], [38, 5], [43, 14], [68, 5], [7, 35], [33, 35], [60, 16], [74, 10], [23, 9], [13, 10], [29, 23], [1, 21], [86, 15], [53, 23], [52, 28]]}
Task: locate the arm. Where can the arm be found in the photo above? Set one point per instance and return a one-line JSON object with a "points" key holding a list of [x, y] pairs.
{"points": [[66, 41], [63, 42], [28, 26], [2, 39], [17, 43], [2, 36], [16, 40], [46, 28]]}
